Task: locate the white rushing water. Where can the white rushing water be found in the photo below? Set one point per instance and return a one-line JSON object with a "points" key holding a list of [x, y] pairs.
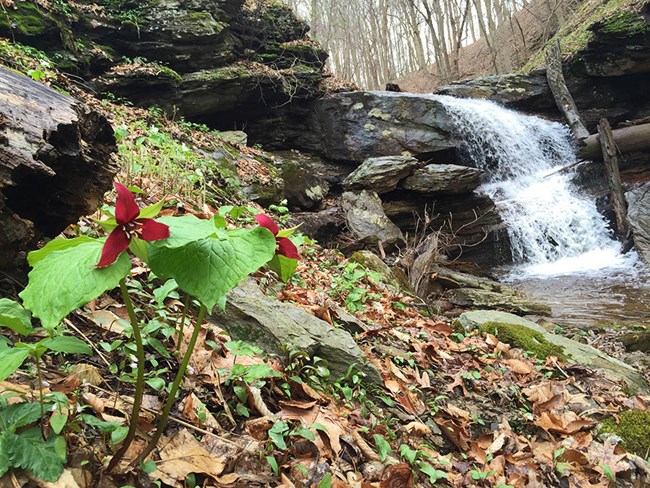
{"points": [[553, 229]]}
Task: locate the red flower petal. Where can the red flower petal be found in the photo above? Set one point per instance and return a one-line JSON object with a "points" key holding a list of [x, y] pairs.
{"points": [[126, 209], [266, 222], [287, 248], [152, 230], [117, 242]]}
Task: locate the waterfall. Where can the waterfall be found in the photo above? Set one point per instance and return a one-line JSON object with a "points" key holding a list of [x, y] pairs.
{"points": [[552, 228]]}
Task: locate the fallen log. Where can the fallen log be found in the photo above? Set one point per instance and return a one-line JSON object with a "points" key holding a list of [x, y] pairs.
{"points": [[628, 139], [56, 162]]}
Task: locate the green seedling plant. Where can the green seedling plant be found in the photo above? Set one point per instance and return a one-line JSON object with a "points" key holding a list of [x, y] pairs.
{"points": [[204, 259]]}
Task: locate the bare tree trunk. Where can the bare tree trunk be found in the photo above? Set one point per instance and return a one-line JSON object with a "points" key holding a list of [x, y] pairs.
{"points": [[616, 194], [561, 93]]}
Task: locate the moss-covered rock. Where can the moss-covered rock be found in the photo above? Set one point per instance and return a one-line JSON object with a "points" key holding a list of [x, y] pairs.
{"points": [[27, 22], [633, 428], [526, 339]]}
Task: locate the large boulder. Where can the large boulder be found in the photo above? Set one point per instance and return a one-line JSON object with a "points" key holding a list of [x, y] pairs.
{"points": [[638, 215], [279, 328], [56, 161], [443, 178], [382, 174], [577, 352], [367, 221], [354, 126]]}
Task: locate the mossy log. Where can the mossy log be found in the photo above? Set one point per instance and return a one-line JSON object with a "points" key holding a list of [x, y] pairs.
{"points": [[56, 162]]}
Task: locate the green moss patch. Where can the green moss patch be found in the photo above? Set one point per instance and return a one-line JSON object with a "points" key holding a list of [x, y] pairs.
{"points": [[634, 430], [524, 338], [26, 19]]}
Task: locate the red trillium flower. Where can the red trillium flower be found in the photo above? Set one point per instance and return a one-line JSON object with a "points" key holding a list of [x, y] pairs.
{"points": [[285, 246], [128, 227]]}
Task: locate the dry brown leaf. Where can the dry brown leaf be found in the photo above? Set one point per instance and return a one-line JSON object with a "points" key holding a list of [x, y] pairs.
{"points": [[566, 423], [604, 457], [106, 319], [520, 367], [193, 409], [417, 428], [183, 455], [397, 476], [87, 373]]}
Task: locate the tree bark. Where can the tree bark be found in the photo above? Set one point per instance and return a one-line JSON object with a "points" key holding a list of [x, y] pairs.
{"points": [[561, 93], [56, 162], [617, 196], [627, 139]]}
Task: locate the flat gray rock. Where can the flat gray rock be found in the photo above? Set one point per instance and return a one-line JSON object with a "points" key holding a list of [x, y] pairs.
{"points": [[443, 178], [278, 327], [382, 174], [580, 353]]}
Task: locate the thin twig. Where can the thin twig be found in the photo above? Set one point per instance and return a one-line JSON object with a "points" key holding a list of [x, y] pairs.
{"points": [[85, 338]]}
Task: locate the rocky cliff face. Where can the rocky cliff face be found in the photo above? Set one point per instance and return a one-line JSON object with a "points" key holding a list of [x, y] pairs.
{"points": [[207, 60]]}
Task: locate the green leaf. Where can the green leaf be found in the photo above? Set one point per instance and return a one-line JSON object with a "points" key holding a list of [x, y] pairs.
{"points": [[119, 434], [11, 360], [383, 447], [148, 466], [65, 280], [283, 266], [40, 457], [18, 415], [184, 230], [56, 245], [326, 482], [209, 268], [14, 316], [152, 210], [58, 421], [272, 462], [277, 433], [68, 345], [305, 434], [102, 425], [433, 474], [259, 371], [5, 452], [241, 348], [156, 383]]}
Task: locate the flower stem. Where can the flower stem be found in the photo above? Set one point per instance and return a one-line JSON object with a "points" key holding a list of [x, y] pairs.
{"points": [[39, 374], [164, 417], [181, 327], [139, 384]]}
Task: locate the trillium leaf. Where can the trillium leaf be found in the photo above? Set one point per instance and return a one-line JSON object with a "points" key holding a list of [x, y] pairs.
{"points": [[56, 245], [283, 266], [65, 280], [184, 229], [209, 268], [14, 316], [67, 345], [11, 360], [152, 210]]}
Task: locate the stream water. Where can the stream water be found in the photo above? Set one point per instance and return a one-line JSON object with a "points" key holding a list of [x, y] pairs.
{"points": [[562, 248]]}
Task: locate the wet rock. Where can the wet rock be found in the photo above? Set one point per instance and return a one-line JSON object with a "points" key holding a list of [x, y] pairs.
{"points": [[302, 188], [277, 327], [367, 221], [355, 126], [443, 178], [382, 174], [521, 91], [324, 225], [637, 341], [638, 215], [578, 352], [467, 290]]}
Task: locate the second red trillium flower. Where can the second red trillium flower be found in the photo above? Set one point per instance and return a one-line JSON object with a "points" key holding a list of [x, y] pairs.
{"points": [[285, 247], [129, 226]]}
